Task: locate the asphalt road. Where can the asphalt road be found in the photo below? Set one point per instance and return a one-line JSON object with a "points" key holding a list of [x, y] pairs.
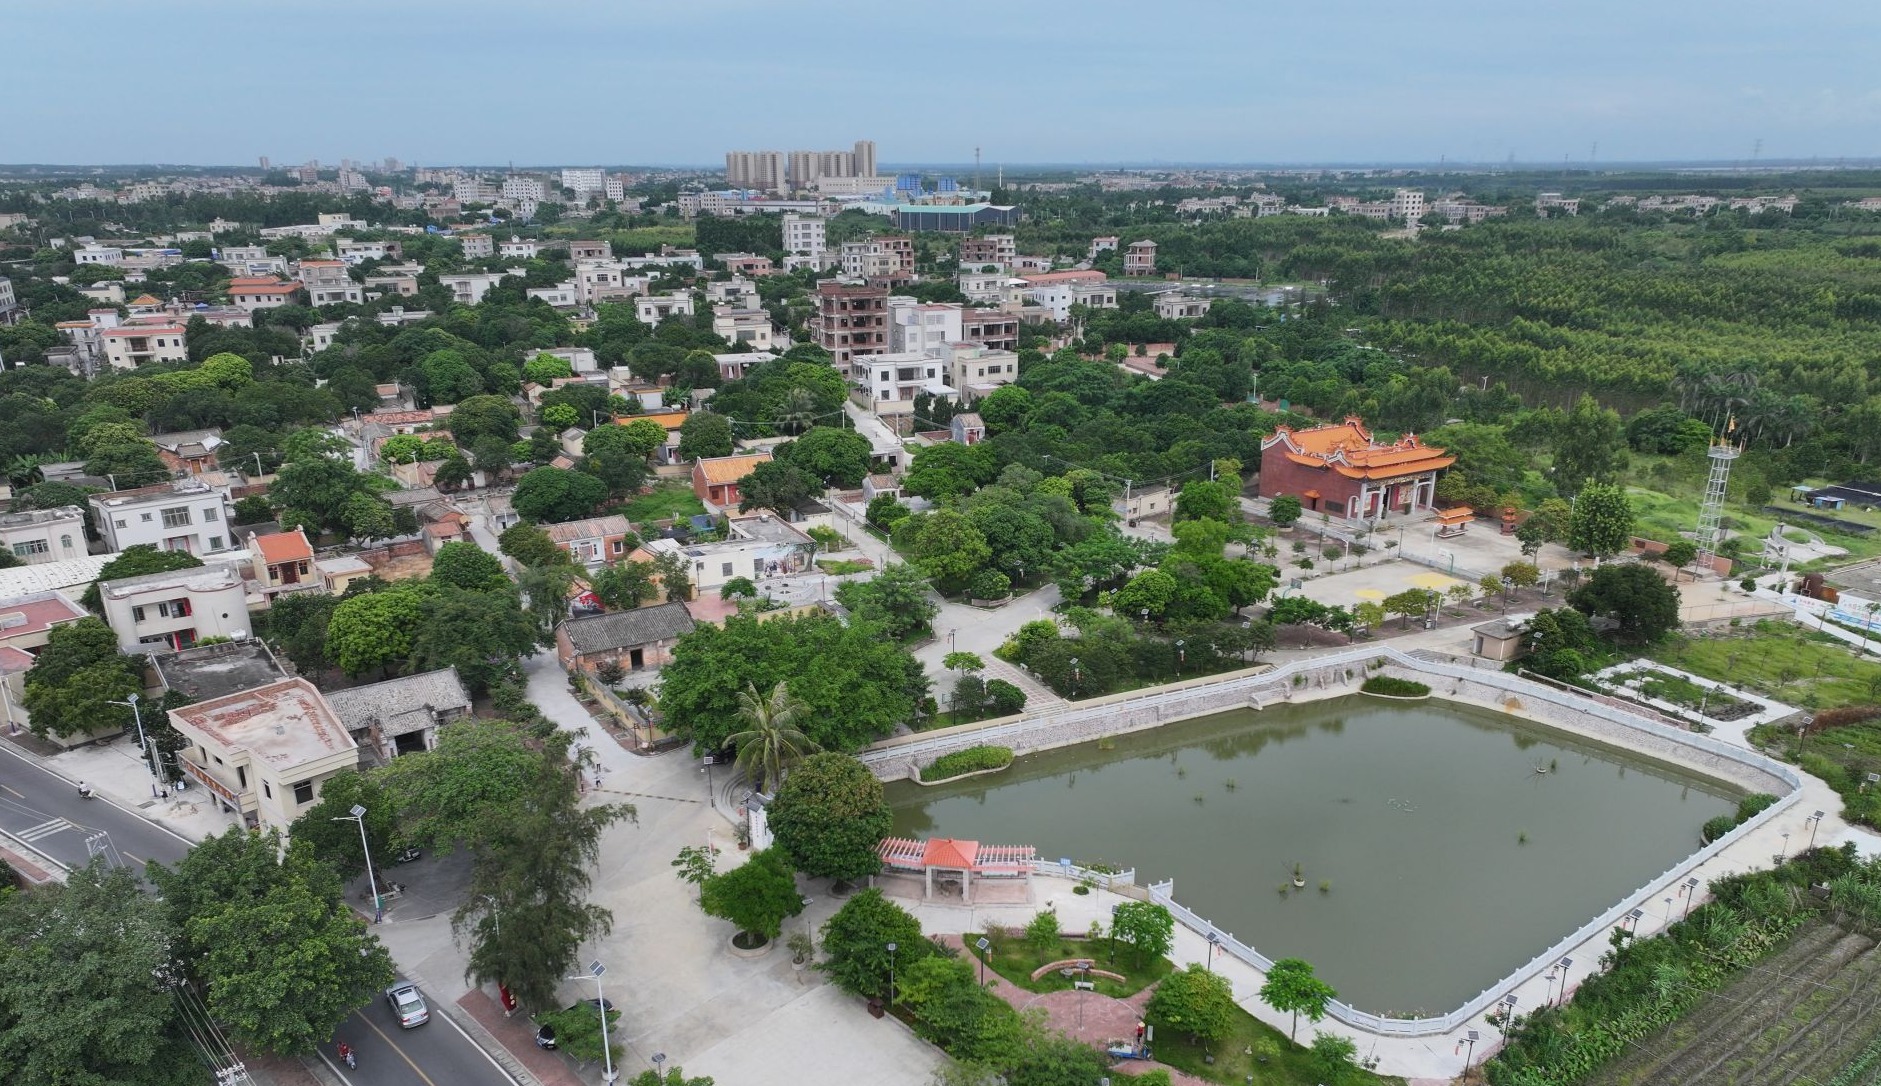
{"points": [[45, 810]]}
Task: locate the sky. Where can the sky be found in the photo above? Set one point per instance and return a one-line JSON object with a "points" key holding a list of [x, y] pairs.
{"points": [[220, 82]]}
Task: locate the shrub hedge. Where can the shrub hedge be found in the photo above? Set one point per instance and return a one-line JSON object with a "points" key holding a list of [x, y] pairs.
{"points": [[970, 760], [1397, 688]]}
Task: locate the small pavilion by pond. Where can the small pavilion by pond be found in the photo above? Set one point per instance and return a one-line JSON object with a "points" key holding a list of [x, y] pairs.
{"points": [[962, 859]]}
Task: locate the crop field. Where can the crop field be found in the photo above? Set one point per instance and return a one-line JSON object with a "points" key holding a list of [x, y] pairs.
{"points": [[1807, 1015]]}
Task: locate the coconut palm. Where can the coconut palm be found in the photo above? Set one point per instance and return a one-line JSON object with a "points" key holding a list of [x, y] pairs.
{"points": [[772, 742]]}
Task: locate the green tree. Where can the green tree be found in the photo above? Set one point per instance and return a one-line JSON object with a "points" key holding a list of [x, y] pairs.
{"points": [[283, 959], [855, 943], [296, 624], [946, 545], [898, 598], [836, 457], [1194, 1001], [674, 1076], [320, 834], [857, 684], [1146, 928], [738, 588], [1152, 590], [1645, 607], [1284, 510], [829, 816], [771, 743], [78, 679], [757, 896], [136, 561], [1603, 520], [1334, 1055], [1680, 553], [1007, 699], [531, 546], [449, 377], [776, 485], [1291, 988], [555, 494], [375, 629], [948, 470], [82, 990], [639, 438], [484, 416], [483, 634], [884, 511], [1589, 447], [544, 368], [704, 435], [557, 417], [1200, 499], [468, 566]]}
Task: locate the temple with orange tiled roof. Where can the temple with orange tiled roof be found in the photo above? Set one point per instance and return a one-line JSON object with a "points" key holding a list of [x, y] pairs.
{"points": [[1342, 470]]}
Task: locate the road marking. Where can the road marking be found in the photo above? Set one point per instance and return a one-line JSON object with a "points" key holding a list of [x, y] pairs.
{"points": [[141, 862], [646, 795], [16, 795], [44, 829], [419, 1071], [465, 1034]]}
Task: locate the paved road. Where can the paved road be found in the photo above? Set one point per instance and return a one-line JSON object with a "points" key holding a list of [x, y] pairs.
{"points": [[44, 810]]}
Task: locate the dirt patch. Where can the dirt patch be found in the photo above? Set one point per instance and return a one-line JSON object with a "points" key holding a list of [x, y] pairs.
{"points": [[1801, 1016]]}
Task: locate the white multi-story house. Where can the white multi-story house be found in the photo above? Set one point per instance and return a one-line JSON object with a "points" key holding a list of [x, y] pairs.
{"points": [[38, 536], [586, 181], [9, 302], [163, 612], [652, 309], [477, 246], [888, 383], [605, 281], [99, 254], [805, 242], [131, 347], [976, 371], [469, 289], [751, 327], [518, 249], [735, 292], [523, 189], [982, 285], [181, 515], [922, 327], [250, 261], [266, 753], [560, 296], [1407, 205], [1175, 305], [328, 283]]}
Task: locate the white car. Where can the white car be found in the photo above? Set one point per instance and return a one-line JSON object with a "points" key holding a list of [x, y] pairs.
{"points": [[407, 1005]]}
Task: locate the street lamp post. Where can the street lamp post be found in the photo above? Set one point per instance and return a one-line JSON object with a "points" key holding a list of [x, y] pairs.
{"points": [[1691, 891], [1815, 823], [1180, 656], [143, 744], [358, 815], [984, 947], [658, 1059], [608, 1074], [1470, 1058], [1214, 940], [1785, 850], [891, 975]]}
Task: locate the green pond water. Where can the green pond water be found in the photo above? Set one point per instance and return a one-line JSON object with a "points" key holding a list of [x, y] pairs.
{"points": [[1414, 813]]}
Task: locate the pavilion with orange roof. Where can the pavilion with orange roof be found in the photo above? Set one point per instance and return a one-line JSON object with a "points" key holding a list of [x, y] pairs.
{"points": [[1342, 470], [954, 857]]}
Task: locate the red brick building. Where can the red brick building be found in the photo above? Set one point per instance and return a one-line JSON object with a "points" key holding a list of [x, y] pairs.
{"points": [[1340, 469], [851, 319]]}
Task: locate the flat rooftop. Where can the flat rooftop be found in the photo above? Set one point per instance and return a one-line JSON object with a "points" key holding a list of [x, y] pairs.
{"points": [[214, 671], [284, 724]]}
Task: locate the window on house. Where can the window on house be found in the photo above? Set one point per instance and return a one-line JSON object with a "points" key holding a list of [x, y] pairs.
{"points": [[137, 614], [210, 516], [267, 789], [303, 791], [725, 570], [215, 542], [65, 542], [118, 523], [176, 518], [35, 546], [241, 775], [146, 518]]}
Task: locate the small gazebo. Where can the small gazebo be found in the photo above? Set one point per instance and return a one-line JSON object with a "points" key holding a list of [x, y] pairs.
{"points": [[1454, 520], [964, 858]]}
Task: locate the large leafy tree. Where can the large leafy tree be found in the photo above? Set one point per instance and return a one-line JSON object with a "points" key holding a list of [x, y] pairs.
{"points": [[85, 973], [136, 562], [482, 634], [1602, 521], [481, 416], [322, 834], [945, 544], [857, 684], [466, 565], [376, 629], [281, 956], [1589, 447], [557, 494], [898, 598], [1201, 499], [1146, 928], [1291, 988], [640, 438], [855, 943], [777, 485], [1635, 596], [947, 470], [1195, 1001], [531, 546], [835, 456], [297, 625], [316, 492], [78, 680], [771, 742], [829, 817], [704, 435], [757, 895]]}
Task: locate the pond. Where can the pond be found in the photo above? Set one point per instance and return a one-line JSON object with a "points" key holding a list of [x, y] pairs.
{"points": [[1454, 843]]}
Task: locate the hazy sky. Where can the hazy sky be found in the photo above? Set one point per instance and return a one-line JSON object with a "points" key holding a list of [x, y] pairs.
{"points": [[631, 81]]}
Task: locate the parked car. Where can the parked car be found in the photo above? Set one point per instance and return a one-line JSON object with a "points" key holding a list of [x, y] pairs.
{"points": [[408, 1006]]}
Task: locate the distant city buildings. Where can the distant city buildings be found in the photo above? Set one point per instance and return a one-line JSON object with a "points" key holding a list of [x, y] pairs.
{"points": [[797, 171]]}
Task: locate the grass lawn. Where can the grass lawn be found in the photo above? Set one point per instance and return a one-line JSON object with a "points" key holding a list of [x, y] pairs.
{"points": [[669, 501], [1293, 1066], [1014, 961], [1663, 514], [1782, 660], [838, 567]]}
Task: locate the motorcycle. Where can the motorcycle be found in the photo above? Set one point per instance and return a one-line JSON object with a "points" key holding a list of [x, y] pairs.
{"points": [[407, 855], [346, 1053], [84, 790]]}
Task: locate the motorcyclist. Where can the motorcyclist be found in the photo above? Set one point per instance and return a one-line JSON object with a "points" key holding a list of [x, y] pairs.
{"points": [[346, 1053], [84, 790]]}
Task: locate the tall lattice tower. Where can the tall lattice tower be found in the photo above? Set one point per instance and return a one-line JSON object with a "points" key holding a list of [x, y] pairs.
{"points": [[1723, 453]]}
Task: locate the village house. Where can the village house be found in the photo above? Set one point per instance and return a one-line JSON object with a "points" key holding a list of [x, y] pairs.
{"points": [[161, 612], [594, 541], [39, 536], [26, 624], [715, 479], [265, 753], [642, 637], [402, 715], [281, 562]]}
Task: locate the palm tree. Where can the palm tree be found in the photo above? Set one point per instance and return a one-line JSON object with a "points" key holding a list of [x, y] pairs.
{"points": [[772, 742]]}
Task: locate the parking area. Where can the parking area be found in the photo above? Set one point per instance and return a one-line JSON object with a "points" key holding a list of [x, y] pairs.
{"points": [[1370, 583]]}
